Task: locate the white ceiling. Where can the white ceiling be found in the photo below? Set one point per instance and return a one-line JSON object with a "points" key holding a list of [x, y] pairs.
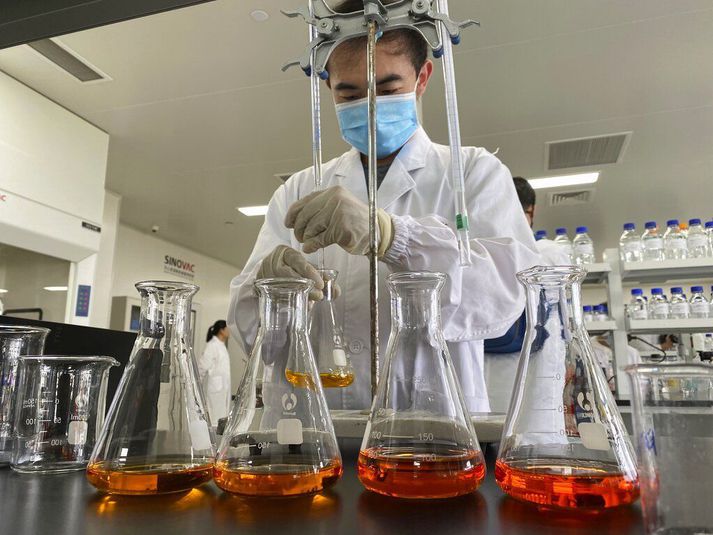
{"points": [[201, 118]]}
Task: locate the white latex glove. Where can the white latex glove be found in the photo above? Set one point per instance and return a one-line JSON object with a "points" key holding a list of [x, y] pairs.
{"points": [[335, 215], [284, 261]]}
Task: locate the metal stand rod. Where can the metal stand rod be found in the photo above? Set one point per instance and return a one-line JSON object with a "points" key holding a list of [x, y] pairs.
{"points": [[373, 238]]}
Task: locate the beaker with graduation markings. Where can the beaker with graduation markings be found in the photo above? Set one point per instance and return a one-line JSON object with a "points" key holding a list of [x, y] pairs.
{"points": [[419, 440], [279, 440], [564, 444]]}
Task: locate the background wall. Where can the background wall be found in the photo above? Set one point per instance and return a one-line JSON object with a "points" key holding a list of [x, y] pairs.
{"points": [[140, 256]]}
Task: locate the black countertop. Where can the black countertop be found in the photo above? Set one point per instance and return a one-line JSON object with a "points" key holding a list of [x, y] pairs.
{"points": [[65, 504]]}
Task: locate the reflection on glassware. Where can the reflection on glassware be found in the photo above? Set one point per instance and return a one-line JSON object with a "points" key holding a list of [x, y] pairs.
{"points": [[60, 408], [282, 444], [14, 342], [673, 425], [564, 444], [157, 437], [419, 440]]}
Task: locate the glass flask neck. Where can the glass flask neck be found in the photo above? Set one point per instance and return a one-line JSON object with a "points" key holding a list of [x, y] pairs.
{"points": [[554, 292], [329, 276], [416, 300], [165, 306], [283, 304]]}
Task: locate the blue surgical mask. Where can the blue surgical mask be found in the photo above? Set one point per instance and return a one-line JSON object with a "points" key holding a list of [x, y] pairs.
{"points": [[396, 122]]}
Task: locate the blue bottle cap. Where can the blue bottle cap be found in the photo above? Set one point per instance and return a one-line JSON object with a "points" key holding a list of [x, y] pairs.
{"points": [[676, 290], [540, 234], [672, 223], [629, 226], [581, 230], [637, 291], [694, 221], [651, 224], [587, 308], [561, 231], [656, 291], [697, 289], [709, 224]]}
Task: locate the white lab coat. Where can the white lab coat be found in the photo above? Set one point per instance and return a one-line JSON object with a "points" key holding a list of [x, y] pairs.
{"points": [[214, 370], [478, 302]]}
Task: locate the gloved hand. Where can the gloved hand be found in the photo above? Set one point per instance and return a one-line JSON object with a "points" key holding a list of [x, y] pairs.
{"points": [[335, 215], [284, 261]]}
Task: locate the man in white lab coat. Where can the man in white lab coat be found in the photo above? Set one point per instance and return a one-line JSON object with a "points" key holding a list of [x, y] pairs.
{"points": [[416, 216]]}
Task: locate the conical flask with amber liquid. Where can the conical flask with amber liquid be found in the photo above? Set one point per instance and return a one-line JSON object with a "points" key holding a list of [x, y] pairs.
{"points": [[279, 440], [157, 438], [419, 440], [564, 444]]}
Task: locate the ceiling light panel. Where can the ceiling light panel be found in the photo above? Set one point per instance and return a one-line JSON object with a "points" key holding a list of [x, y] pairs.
{"points": [[564, 180]]}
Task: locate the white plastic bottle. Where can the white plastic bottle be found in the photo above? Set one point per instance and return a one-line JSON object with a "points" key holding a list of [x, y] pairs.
{"points": [[638, 308], [697, 241], [600, 313], [630, 249], [674, 241], [680, 309], [588, 313], [540, 235], [658, 306], [563, 241], [583, 247], [700, 307], [709, 233], [652, 242]]}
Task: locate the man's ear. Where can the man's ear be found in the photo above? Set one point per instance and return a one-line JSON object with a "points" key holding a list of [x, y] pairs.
{"points": [[423, 77]]}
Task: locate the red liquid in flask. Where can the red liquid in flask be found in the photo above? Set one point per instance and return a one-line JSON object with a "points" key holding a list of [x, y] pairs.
{"points": [[584, 485], [404, 473]]}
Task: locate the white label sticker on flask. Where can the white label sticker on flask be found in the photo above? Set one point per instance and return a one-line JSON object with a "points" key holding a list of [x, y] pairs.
{"points": [[680, 309], [594, 436], [677, 244], [700, 308], [584, 248], [653, 244], [77, 432], [640, 314], [200, 435], [339, 357], [289, 431], [697, 240]]}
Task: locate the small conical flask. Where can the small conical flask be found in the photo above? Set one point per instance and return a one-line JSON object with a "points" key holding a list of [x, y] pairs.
{"points": [[157, 437], [564, 443], [419, 440], [327, 337], [279, 440]]}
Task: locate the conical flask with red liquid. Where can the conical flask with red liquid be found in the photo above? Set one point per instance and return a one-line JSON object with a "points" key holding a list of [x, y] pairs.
{"points": [[564, 444], [419, 440]]}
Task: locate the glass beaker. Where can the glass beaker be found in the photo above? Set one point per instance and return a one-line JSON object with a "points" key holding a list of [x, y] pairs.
{"points": [[673, 426], [14, 342], [327, 337], [419, 440], [157, 437], [61, 402], [283, 443], [564, 443]]}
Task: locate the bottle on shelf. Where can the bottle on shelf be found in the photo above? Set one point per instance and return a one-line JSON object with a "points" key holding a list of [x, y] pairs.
{"points": [[658, 305], [638, 306], [709, 234], [630, 248], [652, 242], [563, 241], [679, 308], [700, 307], [697, 241], [540, 235], [588, 312], [708, 343], [600, 313], [674, 241], [583, 247]]}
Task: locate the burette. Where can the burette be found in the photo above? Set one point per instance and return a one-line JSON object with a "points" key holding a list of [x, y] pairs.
{"points": [[327, 30]]}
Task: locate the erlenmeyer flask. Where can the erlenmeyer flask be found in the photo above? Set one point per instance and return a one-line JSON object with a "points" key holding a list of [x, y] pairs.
{"points": [[14, 342], [419, 440], [327, 337], [157, 437], [564, 443], [282, 444]]}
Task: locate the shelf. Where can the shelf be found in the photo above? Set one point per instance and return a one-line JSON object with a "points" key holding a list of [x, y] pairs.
{"points": [[691, 325], [665, 270], [596, 273], [601, 326]]}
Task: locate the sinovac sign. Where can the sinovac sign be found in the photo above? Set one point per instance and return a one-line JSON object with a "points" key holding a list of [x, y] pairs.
{"points": [[178, 266]]}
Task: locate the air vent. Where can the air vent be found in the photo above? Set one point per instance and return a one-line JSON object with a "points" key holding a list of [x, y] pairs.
{"points": [[585, 152], [67, 61], [571, 198]]}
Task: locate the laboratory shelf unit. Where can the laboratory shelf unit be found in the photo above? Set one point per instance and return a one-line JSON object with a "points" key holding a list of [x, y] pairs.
{"points": [[597, 273], [594, 327], [666, 270], [690, 325]]}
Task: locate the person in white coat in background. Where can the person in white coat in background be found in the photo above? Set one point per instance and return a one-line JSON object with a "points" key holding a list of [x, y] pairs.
{"points": [[416, 217], [214, 371]]}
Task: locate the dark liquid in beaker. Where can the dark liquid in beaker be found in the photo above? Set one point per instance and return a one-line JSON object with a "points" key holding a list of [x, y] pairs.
{"points": [[156, 478], [574, 485], [275, 479], [333, 379], [433, 472]]}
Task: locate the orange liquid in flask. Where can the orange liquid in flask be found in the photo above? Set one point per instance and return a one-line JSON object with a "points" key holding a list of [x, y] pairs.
{"points": [[277, 480], [570, 486], [148, 479], [331, 379], [405, 473]]}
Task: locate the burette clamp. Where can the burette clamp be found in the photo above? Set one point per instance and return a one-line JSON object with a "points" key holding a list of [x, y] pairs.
{"points": [[332, 28]]}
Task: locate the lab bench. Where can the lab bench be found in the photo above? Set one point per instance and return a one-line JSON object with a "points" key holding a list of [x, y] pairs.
{"points": [[65, 504]]}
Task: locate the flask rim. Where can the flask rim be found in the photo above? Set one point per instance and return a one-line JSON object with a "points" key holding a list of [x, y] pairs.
{"points": [[551, 275], [284, 284], [167, 286], [22, 329], [669, 370], [405, 277], [80, 359]]}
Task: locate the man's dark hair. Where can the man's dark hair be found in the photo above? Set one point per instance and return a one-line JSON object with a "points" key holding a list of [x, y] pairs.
{"points": [[524, 192], [408, 42]]}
